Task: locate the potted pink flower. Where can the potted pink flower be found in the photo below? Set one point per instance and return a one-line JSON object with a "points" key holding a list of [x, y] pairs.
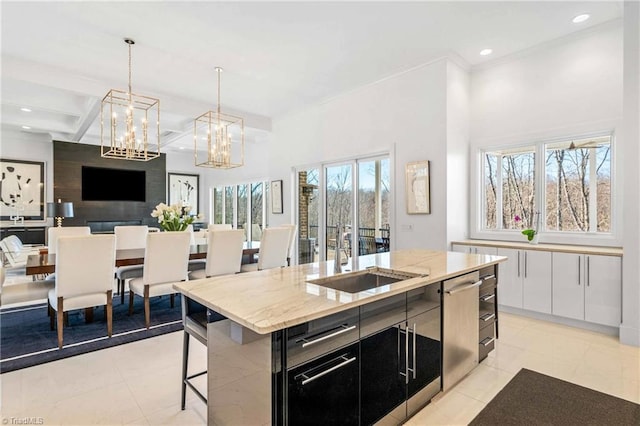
{"points": [[531, 234]]}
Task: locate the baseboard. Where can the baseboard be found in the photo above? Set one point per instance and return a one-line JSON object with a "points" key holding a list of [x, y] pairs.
{"points": [[629, 335], [598, 328]]}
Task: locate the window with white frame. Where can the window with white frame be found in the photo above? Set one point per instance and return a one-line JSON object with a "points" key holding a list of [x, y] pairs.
{"points": [[576, 174]]}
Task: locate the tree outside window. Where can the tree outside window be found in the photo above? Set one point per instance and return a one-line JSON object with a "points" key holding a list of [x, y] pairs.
{"points": [[576, 174]]}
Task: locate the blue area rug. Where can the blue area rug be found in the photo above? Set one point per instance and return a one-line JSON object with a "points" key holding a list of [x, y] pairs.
{"points": [[26, 338]]}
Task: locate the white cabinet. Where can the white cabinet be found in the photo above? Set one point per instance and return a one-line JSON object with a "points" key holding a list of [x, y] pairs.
{"points": [[510, 288], [463, 248], [587, 287], [525, 280]]}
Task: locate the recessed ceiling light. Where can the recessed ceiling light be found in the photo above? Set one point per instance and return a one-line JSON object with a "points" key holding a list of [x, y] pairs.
{"points": [[25, 109], [26, 127], [580, 18], [485, 52], [182, 147]]}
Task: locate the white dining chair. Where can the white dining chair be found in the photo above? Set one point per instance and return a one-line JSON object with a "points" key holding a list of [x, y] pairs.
{"points": [[23, 292], [274, 245], [166, 261], [219, 226], [55, 232], [293, 229], [129, 237], [84, 277], [194, 264], [224, 254]]}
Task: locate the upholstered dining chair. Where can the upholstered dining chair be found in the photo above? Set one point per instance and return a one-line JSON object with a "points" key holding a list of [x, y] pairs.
{"points": [[129, 237], [219, 226], [194, 264], [293, 229], [166, 260], [274, 245], [56, 232], [224, 254], [84, 276]]}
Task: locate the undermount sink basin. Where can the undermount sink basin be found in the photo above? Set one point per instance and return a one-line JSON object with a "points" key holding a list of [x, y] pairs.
{"points": [[356, 282]]}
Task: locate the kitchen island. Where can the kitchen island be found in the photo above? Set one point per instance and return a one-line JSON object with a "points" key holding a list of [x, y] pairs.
{"points": [[306, 344]]}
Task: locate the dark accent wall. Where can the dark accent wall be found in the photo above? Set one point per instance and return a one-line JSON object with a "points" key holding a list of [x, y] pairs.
{"points": [[68, 159]]}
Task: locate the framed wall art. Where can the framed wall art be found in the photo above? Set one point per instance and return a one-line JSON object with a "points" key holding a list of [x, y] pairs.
{"points": [[184, 190], [276, 197], [417, 188], [21, 190]]}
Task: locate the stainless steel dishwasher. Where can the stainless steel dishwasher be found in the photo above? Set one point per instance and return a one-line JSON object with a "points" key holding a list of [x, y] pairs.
{"points": [[460, 328]]}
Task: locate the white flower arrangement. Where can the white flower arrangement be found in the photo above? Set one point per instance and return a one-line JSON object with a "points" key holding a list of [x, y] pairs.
{"points": [[174, 217]]}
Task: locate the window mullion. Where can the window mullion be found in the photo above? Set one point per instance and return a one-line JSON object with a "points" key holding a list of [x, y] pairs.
{"points": [[498, 192], [593, 191]]}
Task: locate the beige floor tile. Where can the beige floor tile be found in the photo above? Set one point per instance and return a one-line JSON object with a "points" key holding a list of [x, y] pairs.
{"points": [[454, 408], [110, 405], [194, 414], [484, 383]]}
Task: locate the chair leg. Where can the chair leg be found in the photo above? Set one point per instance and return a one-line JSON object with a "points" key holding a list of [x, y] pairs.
{"points": [[88, 315], [172, 300], [130, 303], [147, 319], [121, 290], [185, 361], [52, 317], [60, 315], [66, 319], [109, 312]]}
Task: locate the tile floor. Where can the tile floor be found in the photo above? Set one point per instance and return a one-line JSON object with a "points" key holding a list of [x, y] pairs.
{"points": [[138, 383]]}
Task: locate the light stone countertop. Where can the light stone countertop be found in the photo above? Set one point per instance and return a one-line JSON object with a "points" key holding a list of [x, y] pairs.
{"points": [[270, 300], [564, 248]]}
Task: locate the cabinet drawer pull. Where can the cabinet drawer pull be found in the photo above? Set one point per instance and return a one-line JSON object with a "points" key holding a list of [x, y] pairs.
{"points": [[464, 287], [487, 297], [343, 329], [487, 341], [487, 317], [488, 277], [329, 370]]}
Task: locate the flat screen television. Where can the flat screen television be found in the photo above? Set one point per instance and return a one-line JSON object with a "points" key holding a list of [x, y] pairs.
{"points": [[102, 184]]}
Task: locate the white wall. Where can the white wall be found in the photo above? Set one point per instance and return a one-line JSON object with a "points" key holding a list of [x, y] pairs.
{"points": [[457, 153], [19, 145], [630, 329], [406, 111], [550, 90]]}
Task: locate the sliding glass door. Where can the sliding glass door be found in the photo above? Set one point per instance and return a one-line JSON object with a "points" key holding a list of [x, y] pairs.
{"points": [[363, 215], [339, 207]]}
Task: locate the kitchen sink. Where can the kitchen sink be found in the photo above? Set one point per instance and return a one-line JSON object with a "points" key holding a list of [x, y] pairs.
{"points": [[355, 282]]}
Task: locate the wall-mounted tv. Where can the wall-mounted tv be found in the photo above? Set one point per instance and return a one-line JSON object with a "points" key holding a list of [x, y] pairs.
{"points": [[102, 184]]}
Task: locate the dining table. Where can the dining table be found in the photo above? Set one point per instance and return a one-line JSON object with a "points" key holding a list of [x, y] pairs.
{"points": [[45, 263]]}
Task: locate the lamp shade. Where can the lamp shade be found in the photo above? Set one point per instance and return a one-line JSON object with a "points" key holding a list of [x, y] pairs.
{"points": [[60, 209]]}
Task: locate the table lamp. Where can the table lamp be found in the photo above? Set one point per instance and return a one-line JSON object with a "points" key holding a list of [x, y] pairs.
{"points": [[60, 210]]}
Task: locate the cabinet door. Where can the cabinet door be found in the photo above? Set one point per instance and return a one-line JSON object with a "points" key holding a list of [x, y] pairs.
{"points": [[568, 285], [486, 250], [425, 348], [382, 383], [510, 288], [536, 288], [603, 290], [325, 390]]}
